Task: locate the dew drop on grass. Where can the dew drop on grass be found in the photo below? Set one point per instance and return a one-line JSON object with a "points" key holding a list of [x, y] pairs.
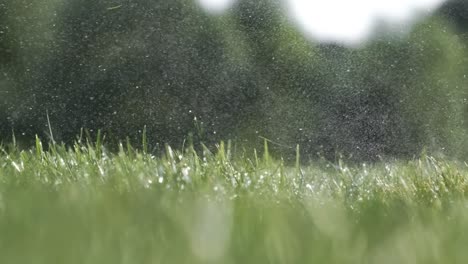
{"points": [[17, 166], [185, 174], [147, 183]]}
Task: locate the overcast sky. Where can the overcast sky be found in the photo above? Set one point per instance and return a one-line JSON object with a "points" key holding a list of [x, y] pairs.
{"points": [[345, 21]]}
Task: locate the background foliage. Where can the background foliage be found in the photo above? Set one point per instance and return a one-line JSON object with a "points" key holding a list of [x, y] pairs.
{"points": [[122, 65]]}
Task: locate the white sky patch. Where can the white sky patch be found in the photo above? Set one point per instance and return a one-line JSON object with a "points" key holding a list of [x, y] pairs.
{"points": [[216, 6], [345, 21], [354, 21]]}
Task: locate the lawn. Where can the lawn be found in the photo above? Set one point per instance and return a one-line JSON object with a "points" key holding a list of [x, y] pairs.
{"points": [[85, 204]]}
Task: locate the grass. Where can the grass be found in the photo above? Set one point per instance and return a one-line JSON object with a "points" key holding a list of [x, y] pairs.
{"points": [[85, 204]]}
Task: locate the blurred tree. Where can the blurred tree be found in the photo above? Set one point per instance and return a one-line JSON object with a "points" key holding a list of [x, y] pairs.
{"points": [[25, 45], [438, 95], [5, 64], [396, 96], [456, 12], [287, 75], [122, 66]]}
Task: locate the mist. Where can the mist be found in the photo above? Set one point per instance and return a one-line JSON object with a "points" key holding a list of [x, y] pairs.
{"points": [[240, 70]]}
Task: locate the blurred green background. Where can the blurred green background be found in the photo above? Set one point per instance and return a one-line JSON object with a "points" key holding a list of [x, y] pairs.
{"points": [[122, 65]]}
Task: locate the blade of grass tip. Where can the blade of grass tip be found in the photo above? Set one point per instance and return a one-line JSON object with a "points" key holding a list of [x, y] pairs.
{"points": [[144, 141], [298, 166], [88, 137], [129, 147], [39, 150], [282, 173], [13, 138], [182, 150], [256, 158], [190, 141], [297, 158], [76, 150], [170, 157], [80, 139], [189, 150], [221, 152], [228, 151], [169, 153], [99, 144], [2, 148], [52, 150], [206, 151], [266, 153], [121, 149], [191, 153], [50, 128]]}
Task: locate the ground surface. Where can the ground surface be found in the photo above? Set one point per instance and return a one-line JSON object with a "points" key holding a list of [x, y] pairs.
{"points": [[86, 205]]}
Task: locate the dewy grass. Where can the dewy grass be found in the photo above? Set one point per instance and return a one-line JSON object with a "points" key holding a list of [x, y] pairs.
{"points": [[86, 205]]}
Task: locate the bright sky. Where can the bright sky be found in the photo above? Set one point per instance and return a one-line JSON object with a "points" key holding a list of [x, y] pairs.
{"points": [[216, 6], [353, 21], [344, 21]]}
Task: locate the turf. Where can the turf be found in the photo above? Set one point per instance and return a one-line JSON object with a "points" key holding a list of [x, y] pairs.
{"points": [[84, 204]]}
